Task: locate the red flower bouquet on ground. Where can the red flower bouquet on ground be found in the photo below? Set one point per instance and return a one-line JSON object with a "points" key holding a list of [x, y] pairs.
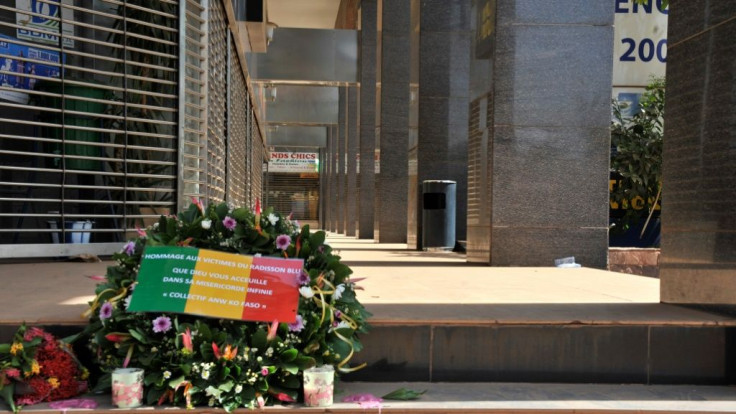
{"points": [[37, 367]]}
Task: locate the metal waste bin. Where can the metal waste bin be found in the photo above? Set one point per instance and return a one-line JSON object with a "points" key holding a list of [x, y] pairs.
{"points": [[438, 214]]}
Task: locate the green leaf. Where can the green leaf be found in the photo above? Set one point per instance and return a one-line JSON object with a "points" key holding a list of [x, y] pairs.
{"points": [[213, 392], [7, 393], [317, 239], [290, 368], [103, 384], [305, 362], [226, 387], [291, 381], [151, 378], [153, 395], [4, 348], [176, 382], [403, 394], [289, 355], [138, 335], [259, 339], [221, 210]]}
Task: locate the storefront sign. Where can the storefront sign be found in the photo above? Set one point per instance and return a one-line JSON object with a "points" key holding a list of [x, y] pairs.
{"points": [[293, 162], [217, 284], [45, 21], [13, 68]]}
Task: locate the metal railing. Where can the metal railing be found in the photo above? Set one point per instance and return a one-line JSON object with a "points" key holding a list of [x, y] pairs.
{"points": [[114, 112]]}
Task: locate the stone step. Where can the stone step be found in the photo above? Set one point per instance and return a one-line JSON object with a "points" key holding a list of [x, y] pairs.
{"points": [[680, 346], [496, 398], [676, 352]]}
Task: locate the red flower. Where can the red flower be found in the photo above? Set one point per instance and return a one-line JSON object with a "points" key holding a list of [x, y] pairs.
{"points": [[117, 337]]}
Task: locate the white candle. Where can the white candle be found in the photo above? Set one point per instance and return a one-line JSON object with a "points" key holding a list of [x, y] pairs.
{"points": [[318, 386], [127, 387]]}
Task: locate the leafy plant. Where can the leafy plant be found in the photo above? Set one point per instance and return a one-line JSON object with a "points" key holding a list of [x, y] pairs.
{"points": [[191, 360], [637, 156]]}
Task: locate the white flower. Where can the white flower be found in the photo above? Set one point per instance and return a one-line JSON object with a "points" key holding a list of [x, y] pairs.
{"points": [[306, 291], [238, 389], [167, 374], [257, 255], [205, 374], [338, 291], [273, 219], [206, 224]]}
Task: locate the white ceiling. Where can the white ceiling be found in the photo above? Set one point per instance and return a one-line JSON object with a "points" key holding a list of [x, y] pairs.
{"points": [[307, 14]]}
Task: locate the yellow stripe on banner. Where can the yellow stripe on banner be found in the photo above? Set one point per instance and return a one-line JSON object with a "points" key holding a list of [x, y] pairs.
{"points": [[219, 285]]}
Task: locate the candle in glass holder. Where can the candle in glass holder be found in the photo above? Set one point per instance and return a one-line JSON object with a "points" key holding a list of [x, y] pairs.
{"points": [[318, 386], [127, 387]]}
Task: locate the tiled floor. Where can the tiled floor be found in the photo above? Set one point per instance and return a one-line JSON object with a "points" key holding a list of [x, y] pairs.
{"points": [[401, 286]]}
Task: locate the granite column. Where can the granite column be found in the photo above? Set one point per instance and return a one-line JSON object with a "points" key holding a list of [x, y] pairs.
{"points": [[545, 166], [367, 147], [392, 182], [698, 259]]}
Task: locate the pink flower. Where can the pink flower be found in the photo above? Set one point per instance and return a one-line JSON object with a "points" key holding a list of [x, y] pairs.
{"points": [[161, 324], [12, 373], [33, 332], [198, 203], [106, 311], [229, 223], [298, 325], [303, 278], [264, 371], [186, 338], [97, 278], [141, 233], [129, 248], [273, 330], [283, 241]]}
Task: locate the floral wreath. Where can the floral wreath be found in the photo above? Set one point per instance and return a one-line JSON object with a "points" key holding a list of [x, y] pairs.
{"points": [[194, 360], [38, 367]]}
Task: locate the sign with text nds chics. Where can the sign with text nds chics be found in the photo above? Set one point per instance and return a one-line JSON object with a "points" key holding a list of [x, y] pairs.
{"points": [[217, 284], [293, 162]]}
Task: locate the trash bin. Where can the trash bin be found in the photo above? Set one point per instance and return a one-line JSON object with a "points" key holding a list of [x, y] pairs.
{"points": [[438, 214]]}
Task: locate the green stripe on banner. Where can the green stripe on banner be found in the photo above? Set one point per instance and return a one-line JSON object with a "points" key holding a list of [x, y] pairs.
{"points": [[167, 273]]}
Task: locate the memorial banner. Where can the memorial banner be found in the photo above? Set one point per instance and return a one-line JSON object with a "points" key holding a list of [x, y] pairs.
{"points": [[217, 284]]}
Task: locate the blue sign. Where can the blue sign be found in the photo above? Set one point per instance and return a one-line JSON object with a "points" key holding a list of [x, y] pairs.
{"points": [[21, 73]]}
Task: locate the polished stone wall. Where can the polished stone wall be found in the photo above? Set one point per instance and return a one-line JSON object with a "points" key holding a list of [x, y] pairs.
{"points": [[392, 180], [342, 131], [698, 259], [332, 161], [444, 70], [548, 149], [367, 108], [351, 195]]}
